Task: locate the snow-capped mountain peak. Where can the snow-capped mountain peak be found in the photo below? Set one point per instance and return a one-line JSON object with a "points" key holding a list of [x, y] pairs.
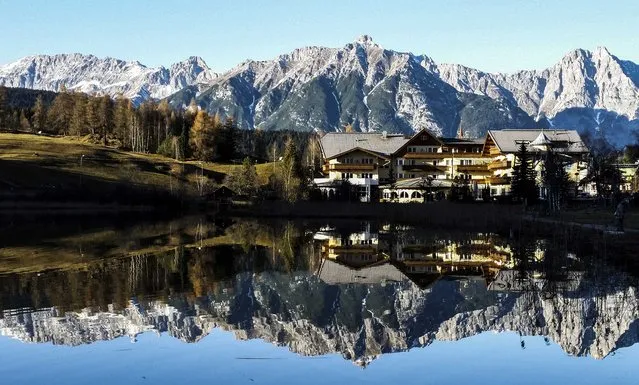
{"points": [[108, 76], [368, 86]]}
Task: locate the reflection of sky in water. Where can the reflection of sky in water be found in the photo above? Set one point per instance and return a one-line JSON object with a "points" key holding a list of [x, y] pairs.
{"points": [[488, 358]]}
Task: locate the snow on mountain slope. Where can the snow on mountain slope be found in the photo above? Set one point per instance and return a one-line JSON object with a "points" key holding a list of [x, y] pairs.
{"points": [[87, 73], [591, 91], [361, 84], [367, 86]]}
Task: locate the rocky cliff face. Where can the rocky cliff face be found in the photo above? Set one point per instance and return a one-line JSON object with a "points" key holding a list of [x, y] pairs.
{"points": [[593, 91], [358, 321], [362, 84], [369, 87], [108, 76]]}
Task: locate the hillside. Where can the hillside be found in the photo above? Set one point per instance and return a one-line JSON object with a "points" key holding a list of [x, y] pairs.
{"points": [[70, 169]]}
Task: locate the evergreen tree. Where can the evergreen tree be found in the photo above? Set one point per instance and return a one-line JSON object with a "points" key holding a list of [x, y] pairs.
{"points": [[244, 181], [105, 117], [4, 111], [38, 119], [604, 174], [60, 113], [523, 184], [556, 180], [93, 119], [226, 140], [123, 120], [15, 121], [25, 125], [78, 125]]}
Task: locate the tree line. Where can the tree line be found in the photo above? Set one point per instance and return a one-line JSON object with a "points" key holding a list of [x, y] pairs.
{"points": [[182, 134], [151, 127]]}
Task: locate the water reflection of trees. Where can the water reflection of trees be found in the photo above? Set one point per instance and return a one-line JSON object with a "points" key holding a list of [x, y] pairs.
{"points": [[246, 275]]}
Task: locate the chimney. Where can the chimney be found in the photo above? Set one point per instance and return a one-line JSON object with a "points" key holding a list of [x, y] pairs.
{"points": [[384, 134]]}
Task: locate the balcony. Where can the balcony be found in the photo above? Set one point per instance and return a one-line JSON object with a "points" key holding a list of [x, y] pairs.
{"points": [[499, 165], [497, 180], [441, 155], [476, 169], [349, 167], [427, 168]]}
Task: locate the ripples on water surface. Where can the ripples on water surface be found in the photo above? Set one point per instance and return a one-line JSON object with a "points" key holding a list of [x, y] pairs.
{"points": [[314, 302]]}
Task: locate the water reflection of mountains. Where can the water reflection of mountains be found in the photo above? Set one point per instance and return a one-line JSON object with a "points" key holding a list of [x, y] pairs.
{"points": [[360, 293]]}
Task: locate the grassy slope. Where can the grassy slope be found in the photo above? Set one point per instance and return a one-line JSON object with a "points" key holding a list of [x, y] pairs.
{"points": [[33, 162]]}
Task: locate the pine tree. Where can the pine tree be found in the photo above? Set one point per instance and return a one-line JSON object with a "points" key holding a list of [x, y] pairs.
{"points": [[106, 117], [15, 121], [93, 119], [25, 125], [60, 113], [226, 141], [523, 184], [244, 181], [38, 119], [78, 125], [122, 120], [4, 111], [165, 115], [556, 180]]}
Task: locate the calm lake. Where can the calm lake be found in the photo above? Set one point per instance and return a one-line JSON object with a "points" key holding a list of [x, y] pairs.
{"points": [[205, 300]]}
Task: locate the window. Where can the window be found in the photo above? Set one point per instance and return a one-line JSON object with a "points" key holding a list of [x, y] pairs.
{"points": [[447, 162], [412, 175], [434, 163], [400, 162]]}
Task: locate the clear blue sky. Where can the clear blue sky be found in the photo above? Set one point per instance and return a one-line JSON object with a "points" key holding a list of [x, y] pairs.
{"points": [[492, 35]]}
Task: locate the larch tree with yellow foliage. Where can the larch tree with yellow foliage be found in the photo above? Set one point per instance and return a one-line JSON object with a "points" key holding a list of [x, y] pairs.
{"points": [[202, 139]]}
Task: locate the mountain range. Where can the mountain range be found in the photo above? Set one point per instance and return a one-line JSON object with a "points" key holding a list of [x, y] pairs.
{"points": [[360, 322], [369, 87]]}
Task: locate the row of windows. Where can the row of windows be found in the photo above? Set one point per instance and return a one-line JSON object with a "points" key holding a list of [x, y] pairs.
{"points": [[422, 149], [401, 175], [365, 175], [463, 162], [402, 194], [358, 161], [361, 242], [456, 150]]}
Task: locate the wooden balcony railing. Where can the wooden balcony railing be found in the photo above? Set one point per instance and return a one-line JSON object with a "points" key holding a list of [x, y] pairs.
{"points": [[498, 180], [428, 168], [441, 155], [480, 169], [499, 165], [349, 167]]}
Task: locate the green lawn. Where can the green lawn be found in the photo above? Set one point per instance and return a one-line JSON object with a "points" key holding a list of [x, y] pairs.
{"points": [[33, 162]]}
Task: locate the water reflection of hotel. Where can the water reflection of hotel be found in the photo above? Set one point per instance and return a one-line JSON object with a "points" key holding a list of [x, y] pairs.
{"points": [[366, 256]]}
